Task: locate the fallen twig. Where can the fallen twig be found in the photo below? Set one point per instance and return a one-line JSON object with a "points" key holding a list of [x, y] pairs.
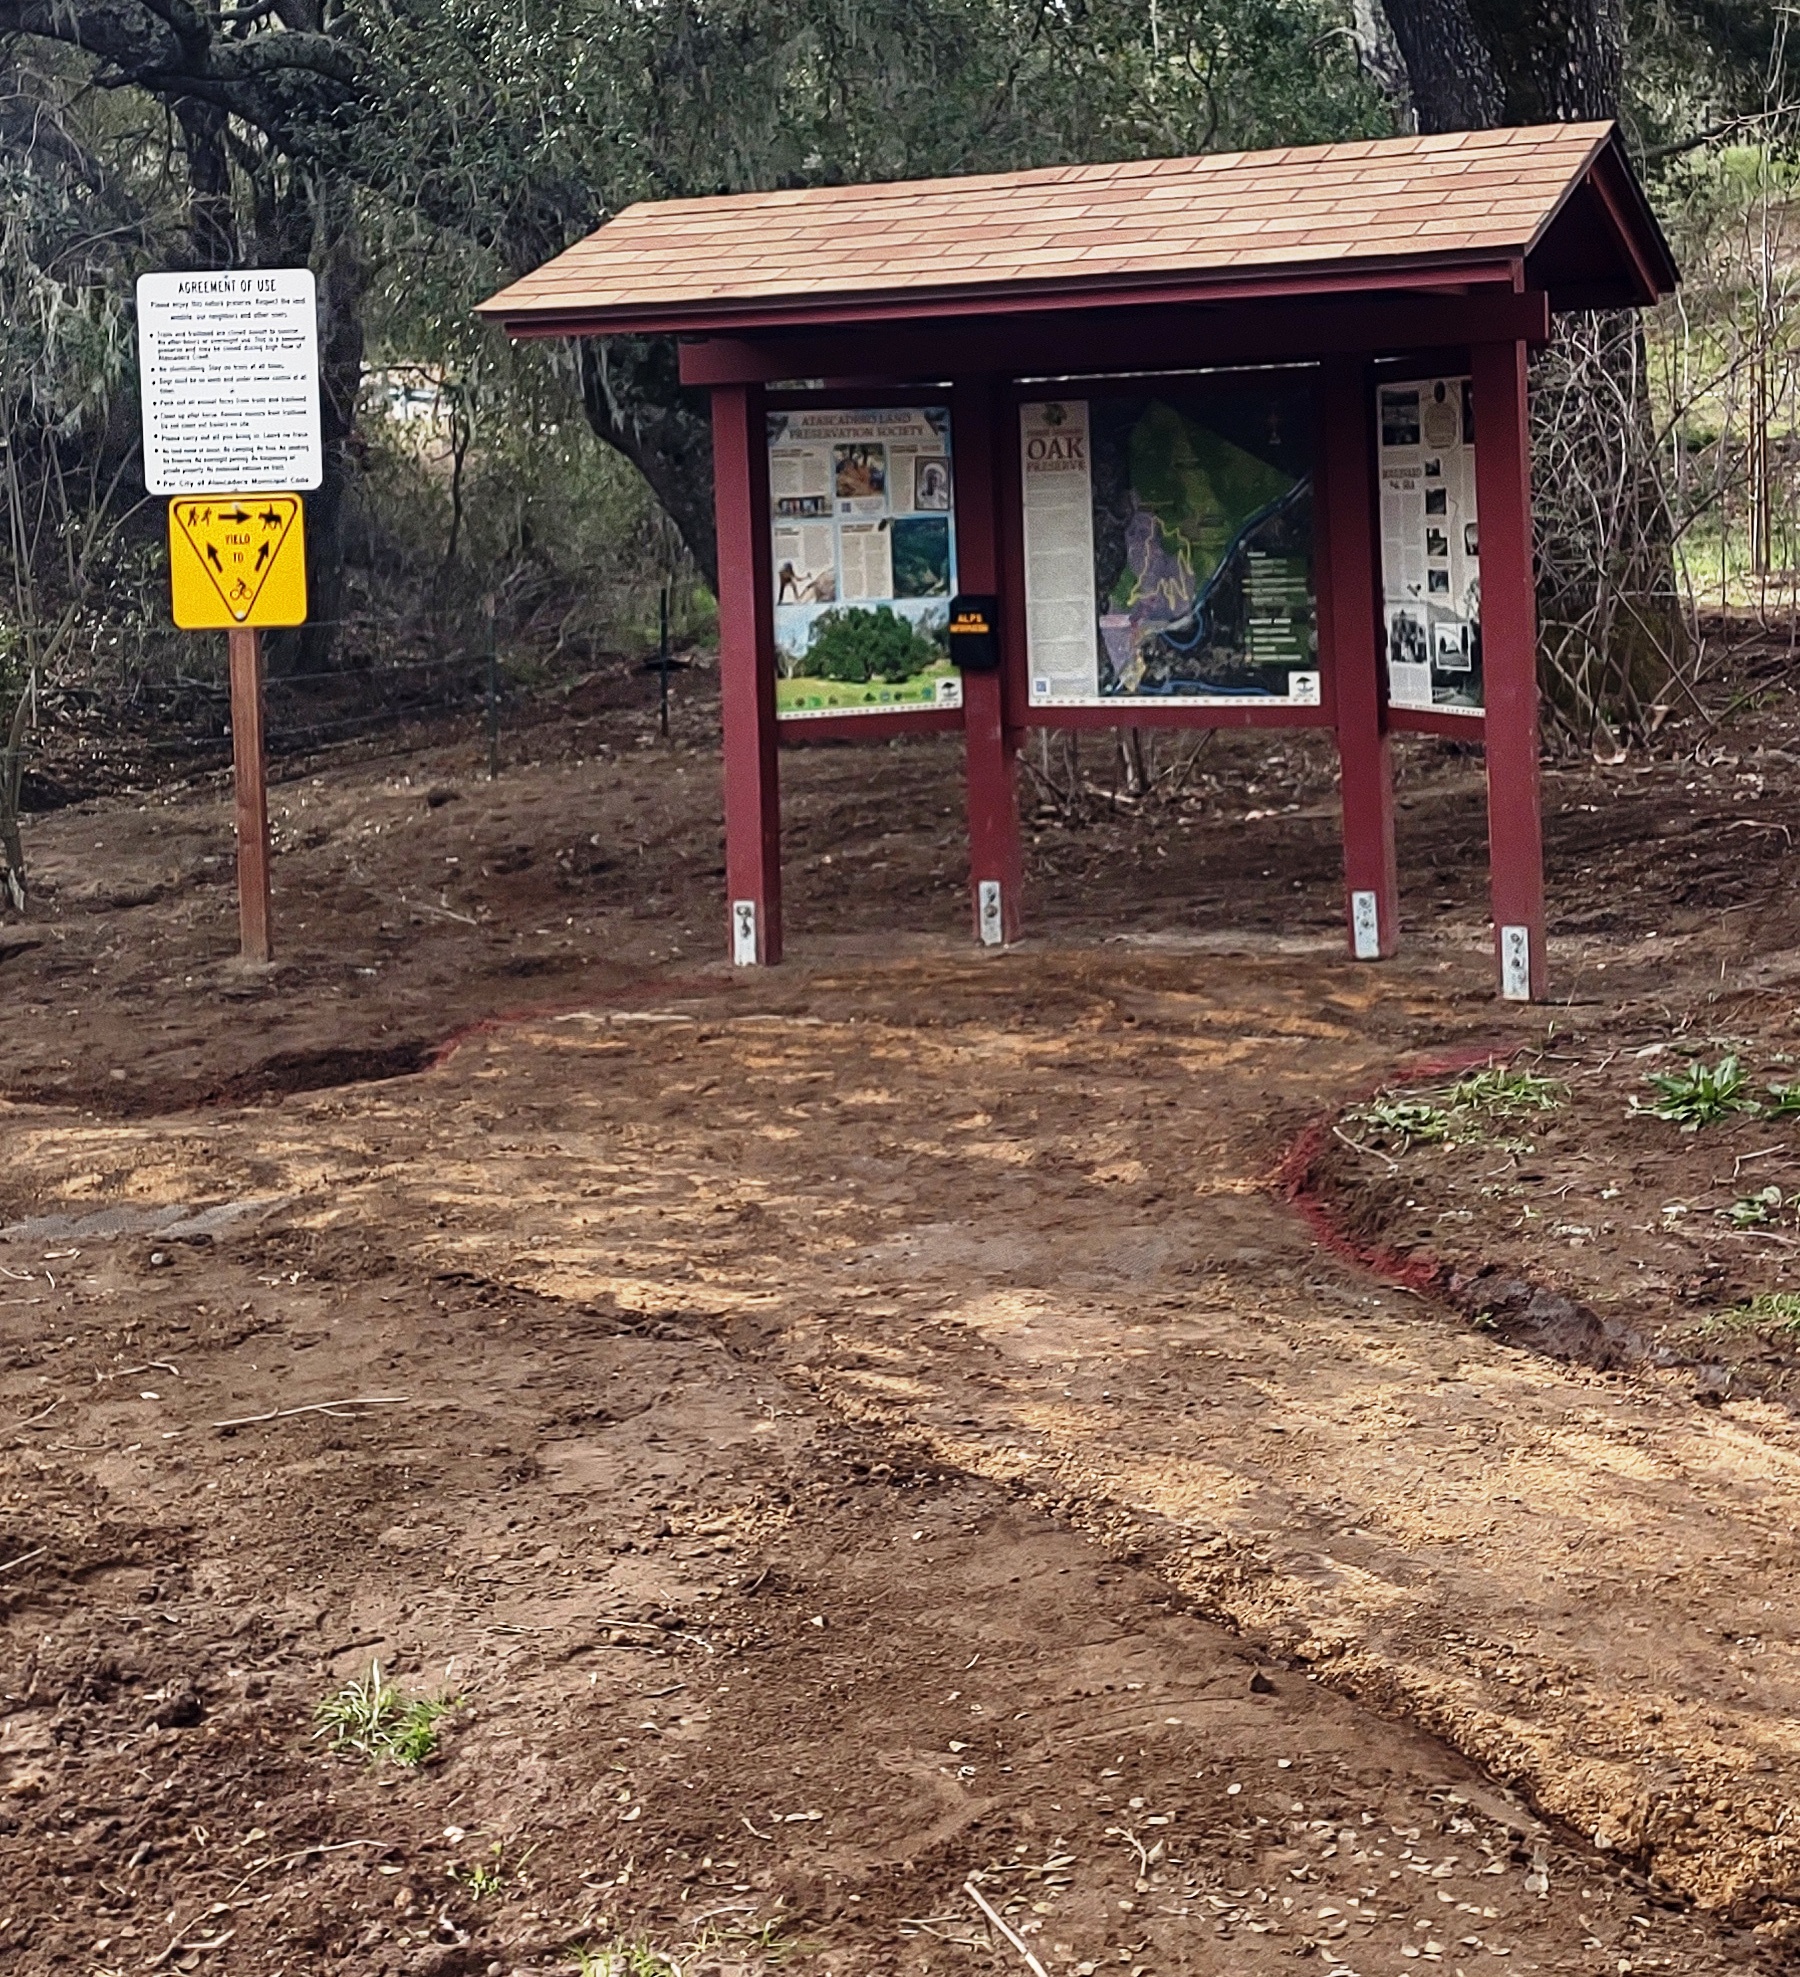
{"points": [[316, 1407], [442, 912], [653, 1627], [257, 1867], [180, 1942], [1357, 1146], [1755, 824], [32, 1420], [336, 1846], [999, 1922], [24, 1558], [209, 1942]]}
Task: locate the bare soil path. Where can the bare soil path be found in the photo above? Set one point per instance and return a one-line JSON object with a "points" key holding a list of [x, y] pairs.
{"points": [[840, 1433]]}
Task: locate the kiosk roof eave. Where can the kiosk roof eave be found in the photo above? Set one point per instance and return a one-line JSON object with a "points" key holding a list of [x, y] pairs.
{"points": [[1420, 278]]}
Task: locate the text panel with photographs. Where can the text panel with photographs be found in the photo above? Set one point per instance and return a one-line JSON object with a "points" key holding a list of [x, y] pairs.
{"points": [[1430, 549], [1168, 547], [862, 512]]}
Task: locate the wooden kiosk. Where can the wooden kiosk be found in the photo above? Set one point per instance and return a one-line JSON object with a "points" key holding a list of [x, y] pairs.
{"points": [[1237, 440]]}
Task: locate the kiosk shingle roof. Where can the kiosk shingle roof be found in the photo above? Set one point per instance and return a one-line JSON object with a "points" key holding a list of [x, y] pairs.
{"points": [[1474, 196]]}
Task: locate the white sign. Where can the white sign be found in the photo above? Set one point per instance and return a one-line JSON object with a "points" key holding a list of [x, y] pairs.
{"points": [[743, 933], [1430, 545], [993, 923], [1365, 926], [1515, 964], [229, 373]]}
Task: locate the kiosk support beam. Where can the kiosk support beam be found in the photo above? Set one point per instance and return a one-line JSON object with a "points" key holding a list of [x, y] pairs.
{"points": [[747, 676], [996, 859], [1349, 618], [250, 784], [1509, 666]]}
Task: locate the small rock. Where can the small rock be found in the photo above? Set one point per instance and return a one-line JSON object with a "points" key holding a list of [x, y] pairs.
{"points": [[1260, 1685], [180, 1709]]}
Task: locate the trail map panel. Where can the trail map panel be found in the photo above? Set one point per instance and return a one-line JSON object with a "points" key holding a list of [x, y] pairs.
{"points": [[229, 376], [1168, 547], [863, 560], [1430, 564], [237, 560]]}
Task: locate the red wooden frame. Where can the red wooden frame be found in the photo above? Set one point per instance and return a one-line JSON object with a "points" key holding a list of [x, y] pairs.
{"points": [[1471, 726], [1349, 601], [1109, 341], [747, 676], [981, 424], [996, 713], [1509, 666], [801, 730]]}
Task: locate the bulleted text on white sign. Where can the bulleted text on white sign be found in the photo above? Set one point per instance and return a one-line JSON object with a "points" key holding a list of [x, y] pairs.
{"points": [[229, 371]]}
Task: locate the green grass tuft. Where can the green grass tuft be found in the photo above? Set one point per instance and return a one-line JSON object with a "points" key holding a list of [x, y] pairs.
{"points": [[1701, 1095], [1755, 1211], [367, 1718], [1774, 1314], [1506, 1093], [1404, 1121]]}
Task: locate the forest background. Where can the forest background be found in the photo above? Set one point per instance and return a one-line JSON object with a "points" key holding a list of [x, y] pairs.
{"points": [[538, 502]]}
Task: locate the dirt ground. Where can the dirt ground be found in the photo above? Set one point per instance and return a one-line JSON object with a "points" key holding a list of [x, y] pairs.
{"points": [[908, 1427]]}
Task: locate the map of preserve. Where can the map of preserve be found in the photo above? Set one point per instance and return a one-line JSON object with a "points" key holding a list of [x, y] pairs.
{"points": [[1203, 542]]}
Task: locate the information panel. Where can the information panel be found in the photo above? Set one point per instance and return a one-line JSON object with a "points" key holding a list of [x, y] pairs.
{"points": [[862, 507], [1430, 567], [1168, 547], [228, 368]]}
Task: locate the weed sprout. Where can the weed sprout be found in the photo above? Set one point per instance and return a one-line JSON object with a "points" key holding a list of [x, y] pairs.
{"points": [[369, 1719], [1435, 1117], [1701, 1095]]}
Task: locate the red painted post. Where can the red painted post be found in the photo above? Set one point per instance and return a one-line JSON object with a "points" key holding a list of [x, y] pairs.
{"points": [[1352, 649], [747, 675], [249, 776], [1509, 666], [996, 857]]}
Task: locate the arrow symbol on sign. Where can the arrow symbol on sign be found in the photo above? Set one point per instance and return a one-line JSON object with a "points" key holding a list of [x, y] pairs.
{"points": [[212, 556], [235, 515], [262, 556]]}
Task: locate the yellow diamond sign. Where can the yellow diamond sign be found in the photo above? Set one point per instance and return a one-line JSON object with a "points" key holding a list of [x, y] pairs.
{"points": [[237, 560]]}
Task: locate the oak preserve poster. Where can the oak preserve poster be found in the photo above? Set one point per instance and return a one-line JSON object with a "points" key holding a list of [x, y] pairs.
{"points": [[1168, 546]]}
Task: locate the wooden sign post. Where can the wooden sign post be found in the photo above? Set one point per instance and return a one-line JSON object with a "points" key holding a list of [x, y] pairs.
{"points": [[251, 784], [238, 563], [229, 375]]}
